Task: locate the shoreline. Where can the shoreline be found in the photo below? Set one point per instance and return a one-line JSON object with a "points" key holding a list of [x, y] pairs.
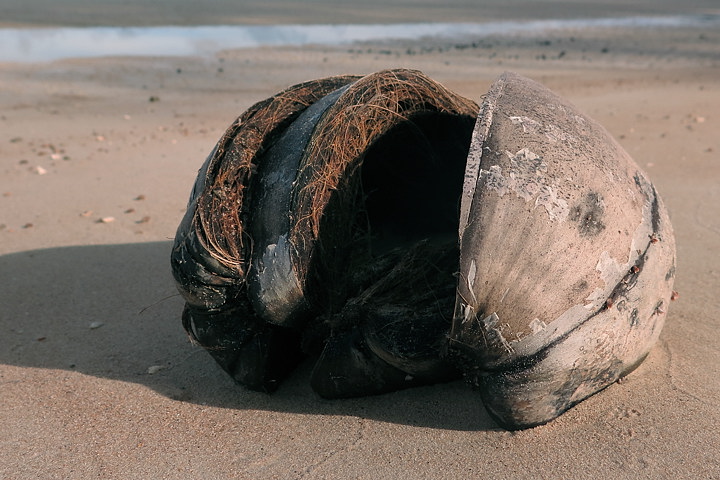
{"points": [[51, 44], [28, 13]]}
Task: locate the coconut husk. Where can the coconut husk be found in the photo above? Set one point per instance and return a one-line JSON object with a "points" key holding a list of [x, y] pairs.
{"points": [[221, 213], [391, 138], [392, 334], [374, 119], [210, 258]]}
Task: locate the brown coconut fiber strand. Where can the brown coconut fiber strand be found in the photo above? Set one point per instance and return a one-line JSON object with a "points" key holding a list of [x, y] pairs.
{"points": [[368, 110], [222, 207]]}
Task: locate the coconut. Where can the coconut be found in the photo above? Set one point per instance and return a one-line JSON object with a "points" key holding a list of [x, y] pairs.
{"points": [[404, 235]]}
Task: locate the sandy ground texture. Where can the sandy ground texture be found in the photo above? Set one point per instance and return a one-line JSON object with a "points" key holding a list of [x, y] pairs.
{"points": [[98, 379]]}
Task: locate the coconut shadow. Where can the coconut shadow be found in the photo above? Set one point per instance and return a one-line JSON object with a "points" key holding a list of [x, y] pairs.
{"points": [[52, 298]]}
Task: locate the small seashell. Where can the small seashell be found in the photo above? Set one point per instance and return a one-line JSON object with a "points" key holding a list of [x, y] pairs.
{"points": [[40, 170], [106, 220]]}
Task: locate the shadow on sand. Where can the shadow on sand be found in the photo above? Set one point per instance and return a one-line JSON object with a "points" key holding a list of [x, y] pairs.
{"points": [[112, 311]]}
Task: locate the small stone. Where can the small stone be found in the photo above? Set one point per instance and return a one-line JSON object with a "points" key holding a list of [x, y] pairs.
{"points": [[106, 220], [40, 170], [95, 325], [153, 369]]}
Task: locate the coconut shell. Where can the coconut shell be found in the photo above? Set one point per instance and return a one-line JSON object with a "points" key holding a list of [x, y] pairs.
{"points": [[567, 257]]}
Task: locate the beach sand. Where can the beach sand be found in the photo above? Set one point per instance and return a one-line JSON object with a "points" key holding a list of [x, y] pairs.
{"points": [[98, 379]]}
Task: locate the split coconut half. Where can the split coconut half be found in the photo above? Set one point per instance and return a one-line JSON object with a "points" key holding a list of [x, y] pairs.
{"points": [[403, 235]]}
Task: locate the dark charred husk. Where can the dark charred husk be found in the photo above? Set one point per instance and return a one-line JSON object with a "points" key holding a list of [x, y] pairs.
{"points": [[319, 209], [211, 253]]}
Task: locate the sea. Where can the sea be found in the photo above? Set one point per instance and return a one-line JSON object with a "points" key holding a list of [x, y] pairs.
{"points": [[49, 44]]}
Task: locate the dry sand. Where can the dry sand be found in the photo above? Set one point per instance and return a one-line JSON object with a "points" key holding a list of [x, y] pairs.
{"points": [[98, 380]]}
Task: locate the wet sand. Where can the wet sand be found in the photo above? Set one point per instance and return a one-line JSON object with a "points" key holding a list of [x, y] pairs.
{"points": [[97, 378]]}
